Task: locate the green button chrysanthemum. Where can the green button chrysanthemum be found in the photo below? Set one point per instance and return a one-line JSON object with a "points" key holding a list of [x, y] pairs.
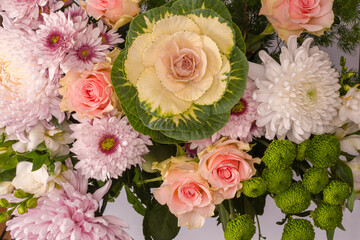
{"points": [[181, 71]]}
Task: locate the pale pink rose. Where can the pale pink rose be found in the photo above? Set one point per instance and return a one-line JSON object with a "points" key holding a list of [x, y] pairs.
{"points": [[115, 13], [89, 93], [292, 17], [225, 165], [187, 195]]}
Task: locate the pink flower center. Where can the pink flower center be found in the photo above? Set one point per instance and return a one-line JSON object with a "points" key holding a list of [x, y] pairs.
{"points": [[54, 39], [183, 65], [108, 144]]}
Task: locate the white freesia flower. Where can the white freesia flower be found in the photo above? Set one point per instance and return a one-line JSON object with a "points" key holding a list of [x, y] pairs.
{"points": [[349, 143], [299, 96], [37, 182], [355, 167], [6, 187], [350, 106], [56, 140]]}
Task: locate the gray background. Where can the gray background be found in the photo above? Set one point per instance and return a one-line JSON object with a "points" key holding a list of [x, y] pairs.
{"points": [[269, 229]]}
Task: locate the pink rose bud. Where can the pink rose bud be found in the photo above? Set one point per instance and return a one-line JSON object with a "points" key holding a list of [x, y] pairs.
{"points": [[187, 194], [115, 13], [292, 17], [225, 165]]}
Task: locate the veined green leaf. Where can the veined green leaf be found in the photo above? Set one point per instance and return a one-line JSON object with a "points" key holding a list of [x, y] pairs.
{"points": [[183, 6], [237, 83]]}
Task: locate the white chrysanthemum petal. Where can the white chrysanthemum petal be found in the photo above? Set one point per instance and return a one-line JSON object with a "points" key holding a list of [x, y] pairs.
{"points": [[298, 97]]}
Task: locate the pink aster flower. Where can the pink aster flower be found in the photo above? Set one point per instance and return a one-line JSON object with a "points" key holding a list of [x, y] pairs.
{"points": [[54, 39], [242, 117], [110, 37], [87, 51], [106, 147], [68, 213]]}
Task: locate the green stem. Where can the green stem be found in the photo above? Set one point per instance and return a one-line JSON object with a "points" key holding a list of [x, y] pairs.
{"points": [[266, 144], [150, 180], [232, 210], [258, 224]]}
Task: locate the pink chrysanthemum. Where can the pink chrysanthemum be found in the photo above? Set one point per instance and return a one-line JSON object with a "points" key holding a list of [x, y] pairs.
{"points": [[200, 145], [68, 213], [26, 97], [55, 38], [23, 11], [110, 38], [106, 147], [78, 15], [242, 117], [87, 51]]}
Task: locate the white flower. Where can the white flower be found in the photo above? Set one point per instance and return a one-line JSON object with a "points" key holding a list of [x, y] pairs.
{"points": [[6, 187], [37, 182], [350, 106], [355, 167], [299, 96], [56, 140], [349, 142]]}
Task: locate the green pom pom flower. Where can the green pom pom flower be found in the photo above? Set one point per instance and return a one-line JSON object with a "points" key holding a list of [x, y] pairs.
{"points": [[294, 200], [278, 180], [323, 151], [315, 179], [298, 229], [300, 155], [279, 154], [254, 187], [177, 79], [240, 228], [336, 192], [326, 216]]}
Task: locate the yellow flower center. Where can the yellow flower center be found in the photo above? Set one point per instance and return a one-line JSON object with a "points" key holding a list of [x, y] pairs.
{"points": [[85, 53], [108, 144], [311, 94], [239, 107], [54, 40]]}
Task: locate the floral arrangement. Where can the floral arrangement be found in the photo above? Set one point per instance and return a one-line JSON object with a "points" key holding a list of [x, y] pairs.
{"points": [[192, 108]]}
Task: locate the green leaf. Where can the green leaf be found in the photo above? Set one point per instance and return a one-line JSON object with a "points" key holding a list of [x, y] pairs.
{"points": [[212, 125], [39, 161], [224, 215], [7, 175], [160, 223], [132, 199], [330, 234], [240, 43], [342, 227], [158, 153], [237, 83], [180, 151], [8, 143], [351, 201], [183, 6], [10, 163], [343, 171], [2, 137]]}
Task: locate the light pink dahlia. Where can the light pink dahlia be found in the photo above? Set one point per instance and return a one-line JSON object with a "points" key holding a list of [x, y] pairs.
{"points": [[106, 147], [68, 213], [54, 39], [88, 50], [26, 96]]}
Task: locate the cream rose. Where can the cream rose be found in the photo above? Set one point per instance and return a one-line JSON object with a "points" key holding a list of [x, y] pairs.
{"points": [[115, 13], [187, 194], [292, 17], [225, 165], [35, 182]]}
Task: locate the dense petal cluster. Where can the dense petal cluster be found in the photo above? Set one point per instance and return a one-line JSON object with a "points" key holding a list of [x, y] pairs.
{"points": [[68, 213], [298, 229], [299, 96], [240, 228], [26, 95], [106, 147]]}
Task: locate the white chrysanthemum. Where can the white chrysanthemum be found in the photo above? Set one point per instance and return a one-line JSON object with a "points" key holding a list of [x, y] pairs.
{"points": [[26, 97], [299, 96], [108, 146]]}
